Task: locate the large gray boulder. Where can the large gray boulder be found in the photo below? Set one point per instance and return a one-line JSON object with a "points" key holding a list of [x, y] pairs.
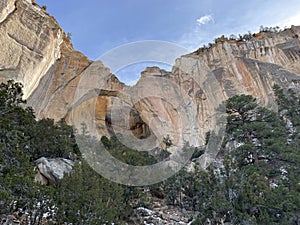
{"points": [[52, 170]]}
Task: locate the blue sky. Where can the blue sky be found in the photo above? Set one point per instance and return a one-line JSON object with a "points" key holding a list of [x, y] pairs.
{"points": [[99, 26]]}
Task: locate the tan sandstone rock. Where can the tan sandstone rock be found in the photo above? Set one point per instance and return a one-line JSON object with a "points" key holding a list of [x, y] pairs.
{"points": [[182, 104]]}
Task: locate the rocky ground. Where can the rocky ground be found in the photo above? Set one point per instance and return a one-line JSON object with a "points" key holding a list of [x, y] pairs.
{"points": [[161, 214]]}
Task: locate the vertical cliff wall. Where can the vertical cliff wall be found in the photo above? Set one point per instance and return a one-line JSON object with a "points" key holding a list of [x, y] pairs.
{"points": [[30, 43], [36, 52]]}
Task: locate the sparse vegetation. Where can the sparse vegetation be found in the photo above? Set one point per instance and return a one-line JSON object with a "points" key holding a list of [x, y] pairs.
{"points": [[44, 7], [69, 35], [239, 38]]}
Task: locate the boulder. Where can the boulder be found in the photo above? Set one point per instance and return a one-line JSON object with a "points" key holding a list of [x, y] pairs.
{"points": [[52, 170]]}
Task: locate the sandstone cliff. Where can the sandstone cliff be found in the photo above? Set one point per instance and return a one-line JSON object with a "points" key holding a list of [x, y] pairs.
{"points": [[36, 51], [30, 43]]}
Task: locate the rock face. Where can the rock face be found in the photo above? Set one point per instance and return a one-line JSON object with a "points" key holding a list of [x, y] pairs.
{"points": [[229, 68], [183, 103], [30, 43]]}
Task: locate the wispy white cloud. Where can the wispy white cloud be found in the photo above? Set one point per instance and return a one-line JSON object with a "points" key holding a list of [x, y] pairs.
{"points": [[205, 19]]}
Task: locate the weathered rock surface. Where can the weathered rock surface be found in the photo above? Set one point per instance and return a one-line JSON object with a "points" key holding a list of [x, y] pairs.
{"points": [[161, 214], [9, 220], [30, 43], [183, 103], [49, 171]]}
